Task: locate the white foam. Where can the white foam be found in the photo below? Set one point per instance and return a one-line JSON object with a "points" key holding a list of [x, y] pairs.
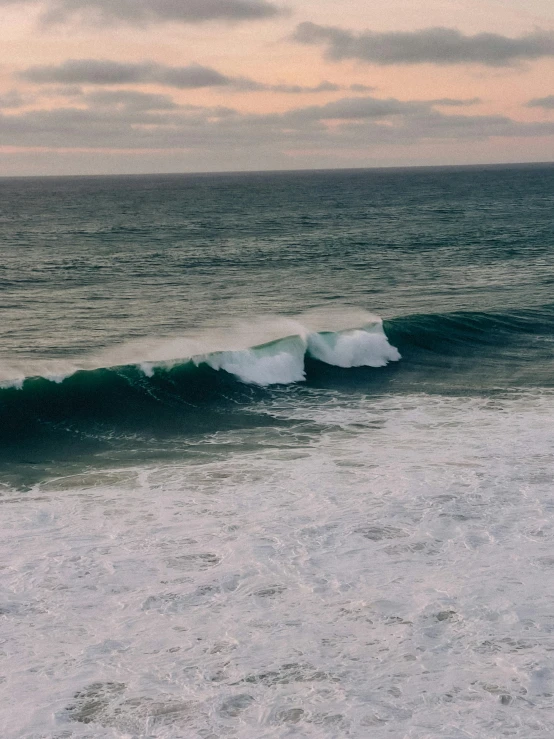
{"points": [[16, 382], [147, 368], [315, 585], [282, 362], [57, 379], [356, 348], [14, 373], [279, 364]]}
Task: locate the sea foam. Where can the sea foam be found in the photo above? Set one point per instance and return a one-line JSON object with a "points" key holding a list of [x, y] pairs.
{"points": [[357, 348]]}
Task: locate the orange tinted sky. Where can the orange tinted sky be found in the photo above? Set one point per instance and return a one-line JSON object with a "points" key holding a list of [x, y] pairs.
{"points": [[257, 101]]}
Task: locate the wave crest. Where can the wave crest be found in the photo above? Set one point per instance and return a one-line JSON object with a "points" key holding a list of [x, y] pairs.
{"points": [[265, 352]]}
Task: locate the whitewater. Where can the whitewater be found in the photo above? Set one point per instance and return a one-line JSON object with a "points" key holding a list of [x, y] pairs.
{"points": [[276, 456]]}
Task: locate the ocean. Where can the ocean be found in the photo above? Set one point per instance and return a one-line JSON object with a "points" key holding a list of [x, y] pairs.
{"points": [[276, 455]]}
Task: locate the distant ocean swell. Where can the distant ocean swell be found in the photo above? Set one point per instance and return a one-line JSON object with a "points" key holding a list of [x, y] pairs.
{"points": [[136, 392]]}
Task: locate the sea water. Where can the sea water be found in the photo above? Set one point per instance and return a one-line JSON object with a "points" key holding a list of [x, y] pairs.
{"points": [[276, 455]]}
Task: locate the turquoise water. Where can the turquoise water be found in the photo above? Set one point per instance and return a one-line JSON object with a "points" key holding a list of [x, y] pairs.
{"points": [[276, 454]]}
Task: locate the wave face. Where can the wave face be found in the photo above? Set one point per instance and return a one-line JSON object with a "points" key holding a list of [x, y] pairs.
{"points": [[476, 351], [444, 333]]}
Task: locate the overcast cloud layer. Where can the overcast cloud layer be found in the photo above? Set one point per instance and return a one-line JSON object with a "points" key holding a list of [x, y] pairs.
{"points": [[429, 45], [147, 12], [124, 119], [142, 85]]}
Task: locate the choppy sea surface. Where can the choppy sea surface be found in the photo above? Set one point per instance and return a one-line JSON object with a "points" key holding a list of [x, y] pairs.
{"points": [[277, 455]]}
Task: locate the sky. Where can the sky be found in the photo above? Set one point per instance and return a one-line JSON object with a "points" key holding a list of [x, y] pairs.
{"points": [[138, 86]]}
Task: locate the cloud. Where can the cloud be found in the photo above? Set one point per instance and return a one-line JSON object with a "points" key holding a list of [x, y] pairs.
{"points": [[109, 72], [194, 76], [129, 100], [546, 102], [13, 99], [132, 121], [455, 102], [148, 12], [357, 108], [442, 46], [362, 88], [324, 86]]}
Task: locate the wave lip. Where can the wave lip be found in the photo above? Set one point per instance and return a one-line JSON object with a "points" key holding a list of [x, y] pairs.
{"points": [[367, 347], [282, 362], [278, 363]]}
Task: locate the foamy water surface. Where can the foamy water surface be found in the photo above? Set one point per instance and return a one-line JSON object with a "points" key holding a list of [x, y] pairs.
{"points": [[380, 571]]}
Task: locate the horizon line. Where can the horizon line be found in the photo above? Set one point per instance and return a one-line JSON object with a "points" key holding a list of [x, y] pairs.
{"points": [[391, 167]]}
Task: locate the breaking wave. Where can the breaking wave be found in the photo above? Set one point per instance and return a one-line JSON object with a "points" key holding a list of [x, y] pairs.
{"points": [[159, 385], [279, 361]]}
